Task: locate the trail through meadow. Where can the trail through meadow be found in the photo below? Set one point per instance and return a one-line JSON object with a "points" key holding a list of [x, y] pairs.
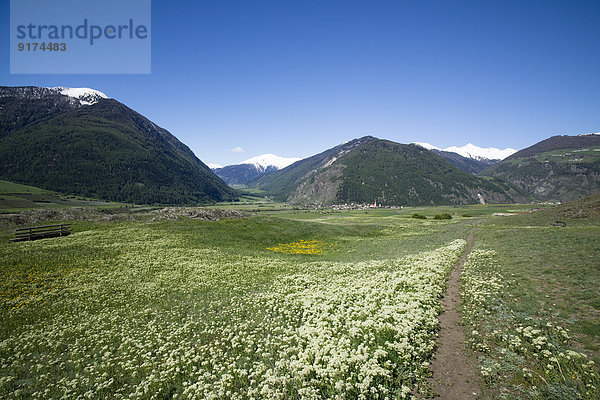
{"points": [[454, 370]]}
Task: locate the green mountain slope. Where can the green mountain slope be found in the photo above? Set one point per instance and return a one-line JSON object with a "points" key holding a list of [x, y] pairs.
{"points": [[21, 106], [104, 150], [550, 172], [390, 173]]}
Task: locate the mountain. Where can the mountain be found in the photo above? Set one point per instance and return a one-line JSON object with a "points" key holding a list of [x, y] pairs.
{"points": [[270, 160], [242, 174], [560, 168], [79, 141], [282, 183], [470, 158], [472, 165], [472, 151], [27, 105], [369, 169], [252, 169]]}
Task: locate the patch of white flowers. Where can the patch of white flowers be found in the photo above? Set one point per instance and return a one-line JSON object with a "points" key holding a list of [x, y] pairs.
{"points": [[168, 320]]}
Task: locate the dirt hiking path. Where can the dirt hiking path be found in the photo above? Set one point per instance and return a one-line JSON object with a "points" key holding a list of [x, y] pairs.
{"points": [[455, 374]]}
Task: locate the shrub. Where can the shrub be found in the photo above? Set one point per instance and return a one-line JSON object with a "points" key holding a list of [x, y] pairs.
{"points": [[418, 216], [442, 216]]}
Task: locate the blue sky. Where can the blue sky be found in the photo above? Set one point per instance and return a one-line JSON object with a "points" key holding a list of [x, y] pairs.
{"points": [[297, 77]]}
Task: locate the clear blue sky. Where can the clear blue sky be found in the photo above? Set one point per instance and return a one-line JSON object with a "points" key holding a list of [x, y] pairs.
{"points": [[297, 77]]}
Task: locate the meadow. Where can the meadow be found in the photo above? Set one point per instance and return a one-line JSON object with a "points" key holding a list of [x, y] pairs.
{"points": [[530, 303], [282, 304]]}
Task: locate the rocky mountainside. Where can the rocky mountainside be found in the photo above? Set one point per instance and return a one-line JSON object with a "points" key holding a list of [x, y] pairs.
{"points": [[560, 168], [282, 183]]}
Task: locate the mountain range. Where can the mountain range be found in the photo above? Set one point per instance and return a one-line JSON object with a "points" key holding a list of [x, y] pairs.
{"points": [[472, 151], [560, 168], [369, 169], [79, 141], [470, 158]]}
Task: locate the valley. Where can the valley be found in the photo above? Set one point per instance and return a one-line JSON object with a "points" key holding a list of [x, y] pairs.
{"points": [[284, 302], [328, 277]]}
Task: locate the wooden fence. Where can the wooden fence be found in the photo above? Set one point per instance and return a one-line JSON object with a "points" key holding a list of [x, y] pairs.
{"points": [[41, 232]]}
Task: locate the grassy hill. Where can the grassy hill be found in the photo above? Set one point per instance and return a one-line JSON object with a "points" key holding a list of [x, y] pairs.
{"points": [[17, 197], [7, 187], [106, 151]]}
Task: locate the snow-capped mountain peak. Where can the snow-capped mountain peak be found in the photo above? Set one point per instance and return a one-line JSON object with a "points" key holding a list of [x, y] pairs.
{"points": [[270, 160], [472, 151], [86, 96], [253, 168]]}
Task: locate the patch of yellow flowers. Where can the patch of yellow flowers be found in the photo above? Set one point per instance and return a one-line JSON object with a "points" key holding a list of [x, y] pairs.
{"points": [[301, 247], [19, 289]]}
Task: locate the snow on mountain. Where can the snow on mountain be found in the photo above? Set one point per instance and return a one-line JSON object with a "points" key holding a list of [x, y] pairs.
{"points": [[213, 166], [427, 146], [266, 160], [86, 96], [471, 151]]}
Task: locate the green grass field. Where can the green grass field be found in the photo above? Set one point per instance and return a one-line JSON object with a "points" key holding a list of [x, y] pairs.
{"points": [[7, 187], [530, 292], [15, 197], [293, 303]]}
